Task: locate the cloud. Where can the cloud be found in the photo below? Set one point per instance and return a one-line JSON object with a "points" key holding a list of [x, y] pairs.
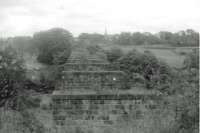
{"points": [[24, 17]]}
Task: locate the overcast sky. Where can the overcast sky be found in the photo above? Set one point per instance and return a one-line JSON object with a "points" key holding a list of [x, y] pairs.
{"points": [[24, 17]]}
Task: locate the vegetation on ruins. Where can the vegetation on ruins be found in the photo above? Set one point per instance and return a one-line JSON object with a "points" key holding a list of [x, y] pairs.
{"points": [[114, 54], [192, 60], [181, 85], [93, 49], [188, 86], [188, 120]]}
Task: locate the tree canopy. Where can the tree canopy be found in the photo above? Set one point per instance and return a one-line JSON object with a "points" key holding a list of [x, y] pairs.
{"points": [[54, 45], [183, 38]]}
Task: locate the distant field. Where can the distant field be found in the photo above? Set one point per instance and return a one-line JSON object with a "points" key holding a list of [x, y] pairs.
{"points": [[171, 55]]}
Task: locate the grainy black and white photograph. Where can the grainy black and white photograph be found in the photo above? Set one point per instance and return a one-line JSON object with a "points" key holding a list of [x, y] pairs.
{"points": [[99, 66]]}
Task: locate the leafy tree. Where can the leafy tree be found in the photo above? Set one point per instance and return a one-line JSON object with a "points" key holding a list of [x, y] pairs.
{"points": [[12, 74], [13, 93], [154, 72], [54, 45]]}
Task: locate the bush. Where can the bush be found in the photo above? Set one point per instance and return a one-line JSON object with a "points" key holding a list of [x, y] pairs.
{"points": [[186, 85], [93, 49], [192, 60], [31, 123], [114, 54]]}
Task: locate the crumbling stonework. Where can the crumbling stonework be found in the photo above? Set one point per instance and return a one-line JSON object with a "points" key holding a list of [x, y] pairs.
{"points": [[91, 94]]}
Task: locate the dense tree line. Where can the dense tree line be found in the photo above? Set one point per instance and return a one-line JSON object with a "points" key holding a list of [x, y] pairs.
{"points": [[91, 39], [182, 38]]}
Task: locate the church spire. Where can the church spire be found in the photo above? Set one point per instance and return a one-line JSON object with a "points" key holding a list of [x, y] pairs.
{"points": [[105, 32]]}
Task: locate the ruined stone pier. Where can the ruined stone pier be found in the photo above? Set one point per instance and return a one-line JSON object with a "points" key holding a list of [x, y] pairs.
{"points": [[90, 96]]}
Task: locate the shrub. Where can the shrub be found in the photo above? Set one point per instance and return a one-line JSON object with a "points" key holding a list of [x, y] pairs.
{"points": [[93, 49], [192, 60], [114, 54]]}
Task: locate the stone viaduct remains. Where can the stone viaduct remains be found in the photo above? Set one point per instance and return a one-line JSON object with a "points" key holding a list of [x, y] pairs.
{"points": [[90, 95]]}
